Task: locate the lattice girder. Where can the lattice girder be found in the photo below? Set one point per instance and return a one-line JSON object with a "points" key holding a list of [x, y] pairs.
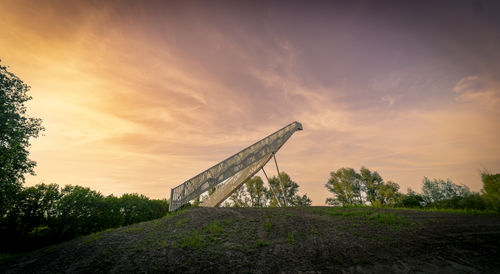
{"points": [[233, 165]]}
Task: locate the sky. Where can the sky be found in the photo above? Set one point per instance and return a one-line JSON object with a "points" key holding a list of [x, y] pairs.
{"points": [[140, 96]]}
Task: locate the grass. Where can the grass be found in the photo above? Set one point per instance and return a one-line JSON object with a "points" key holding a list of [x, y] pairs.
{"points": [[449, 210], [214, 228], [388, 219], [291, 237], [315, 231], [8, 256], [268, 225], [261, 243], [215, 240], [182, 221], [93, 238], [212, 233], [363, 214], [192, 240]]}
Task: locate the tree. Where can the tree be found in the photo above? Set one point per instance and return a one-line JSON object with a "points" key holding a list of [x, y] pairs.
{"points": [[301, 200], [352, 188], [112, 214], [436, 190], [37, 203], [387, 193], [136, 208], [16, 129], [371, 185], [412, 199], [239, 197], [492, 189], [78, 212], [30, 209], [257, 192], [345, 184], [290, 188]]}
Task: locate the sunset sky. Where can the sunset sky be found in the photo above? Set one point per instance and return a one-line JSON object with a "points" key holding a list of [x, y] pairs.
{"points": [[139, 96]]}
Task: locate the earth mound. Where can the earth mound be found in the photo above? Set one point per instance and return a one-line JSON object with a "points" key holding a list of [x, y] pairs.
{"points": [[264, 240]]}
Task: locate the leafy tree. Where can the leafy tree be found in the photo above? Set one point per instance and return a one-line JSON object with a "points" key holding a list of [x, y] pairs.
{"points": [[301, 200], [290, 190], [472, 201], [239, 197], [30, 209], [387, 193], [436, 190], [491, 189], [16, 129], [136, 208], [412, 199], [37, 203], [345, 184], [78, 212], [372, 182], [257, 192], [112, 214]]}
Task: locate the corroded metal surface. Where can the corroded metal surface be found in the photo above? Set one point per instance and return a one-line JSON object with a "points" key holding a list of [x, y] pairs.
{"points": [[248, 162]]}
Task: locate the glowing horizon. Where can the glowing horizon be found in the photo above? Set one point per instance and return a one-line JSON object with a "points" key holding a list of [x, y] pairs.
{"points": [[140, 98]]}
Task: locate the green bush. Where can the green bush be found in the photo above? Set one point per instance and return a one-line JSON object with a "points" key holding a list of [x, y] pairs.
{"points": [[473, 201]]}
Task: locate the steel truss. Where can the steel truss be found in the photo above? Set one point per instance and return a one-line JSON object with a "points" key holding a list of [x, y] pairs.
{"points": [[233, 171]]}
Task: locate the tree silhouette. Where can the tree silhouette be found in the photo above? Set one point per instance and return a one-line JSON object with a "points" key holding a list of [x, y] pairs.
{"points": [[16, 129]]}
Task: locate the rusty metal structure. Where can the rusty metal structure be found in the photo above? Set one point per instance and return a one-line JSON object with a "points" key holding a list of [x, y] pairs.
{"points": [[231, 173]]}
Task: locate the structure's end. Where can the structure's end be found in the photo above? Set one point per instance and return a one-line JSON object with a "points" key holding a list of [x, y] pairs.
{"points": [[299, 126]]}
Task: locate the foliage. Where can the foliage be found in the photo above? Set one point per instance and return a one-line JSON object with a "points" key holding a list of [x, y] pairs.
{"points": [[239, 198], [345, 184], [33, 206], [78, 212], [387, 193], [436, 190], [472, 201], [491, 189], [411, 200], [352, 188], [72, 211], [440, 194], [16, 129], [372, 182], [290, 189], [257, 192]]}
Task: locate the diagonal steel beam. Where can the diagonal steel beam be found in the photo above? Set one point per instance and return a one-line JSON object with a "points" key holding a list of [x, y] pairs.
{"points": [[279, 179], [271, 187]]}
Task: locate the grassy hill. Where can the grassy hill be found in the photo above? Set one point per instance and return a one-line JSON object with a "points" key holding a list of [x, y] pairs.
{"points": [[266, 240]]}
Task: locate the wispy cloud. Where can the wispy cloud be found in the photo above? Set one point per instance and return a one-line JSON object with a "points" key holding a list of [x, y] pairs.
{"points": [[482, 91]]}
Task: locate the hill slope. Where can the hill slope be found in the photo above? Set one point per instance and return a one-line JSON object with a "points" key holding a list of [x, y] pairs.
{"points": [[277, 239]]}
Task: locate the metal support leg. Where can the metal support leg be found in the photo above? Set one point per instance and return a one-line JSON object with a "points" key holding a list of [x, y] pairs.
{"points": [[279, 177], [271, 187]]}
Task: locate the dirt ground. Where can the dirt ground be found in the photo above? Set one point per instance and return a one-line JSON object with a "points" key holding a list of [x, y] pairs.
{"points": [[270, 240]]}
